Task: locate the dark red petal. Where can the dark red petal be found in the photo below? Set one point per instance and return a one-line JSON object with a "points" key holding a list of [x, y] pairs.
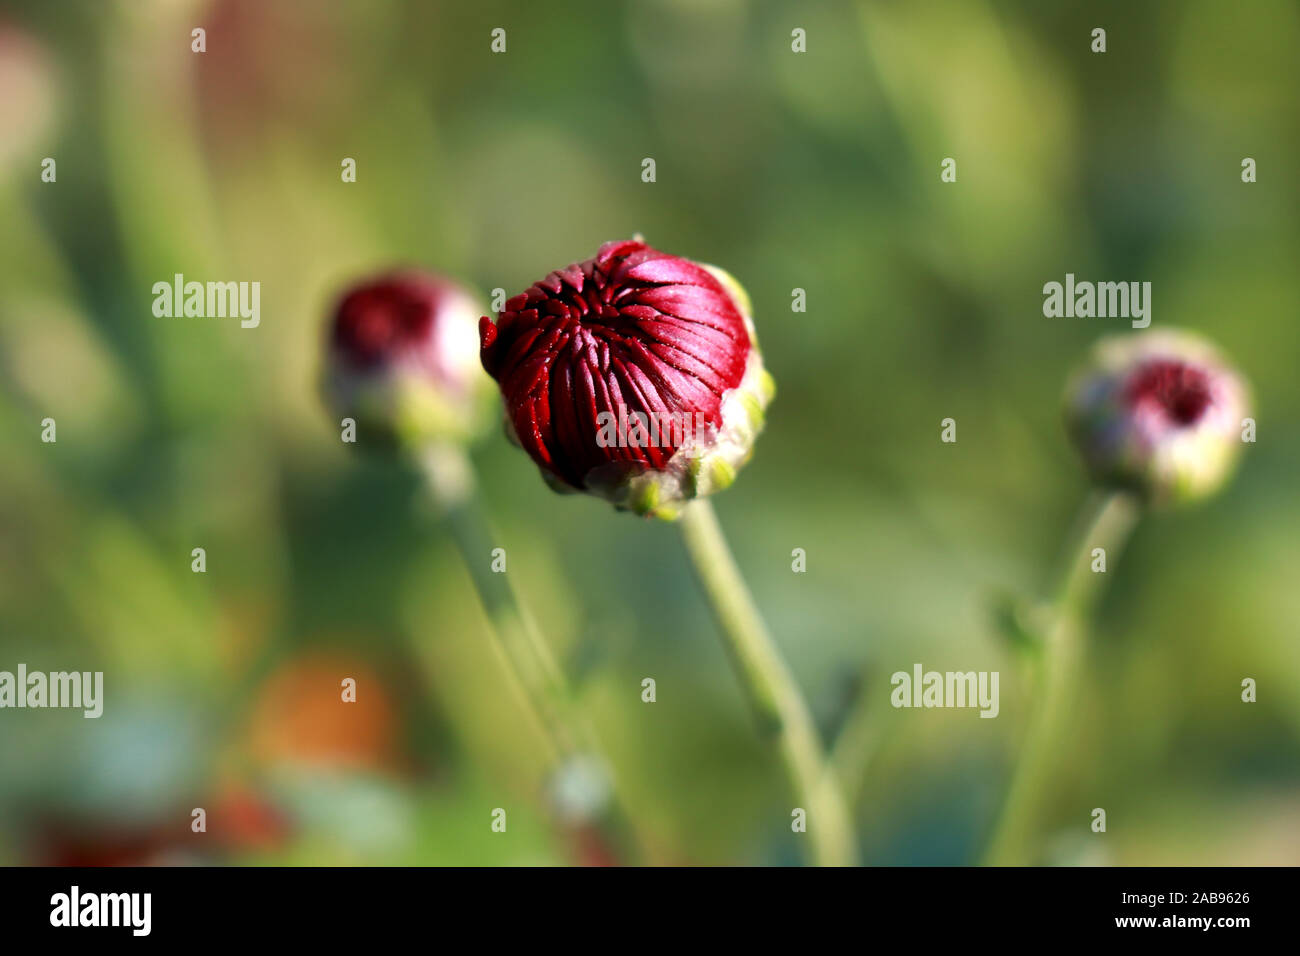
{"points": [[631, 328], [388, 320], [1180, 390]]}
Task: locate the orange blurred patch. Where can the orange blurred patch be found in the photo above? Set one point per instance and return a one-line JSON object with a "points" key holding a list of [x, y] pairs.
{"points": [[300, 716]]}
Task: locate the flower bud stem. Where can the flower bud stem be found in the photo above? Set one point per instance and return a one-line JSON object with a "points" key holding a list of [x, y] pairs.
{"points": [[770, 687], [1108, 520], [517, 641]]}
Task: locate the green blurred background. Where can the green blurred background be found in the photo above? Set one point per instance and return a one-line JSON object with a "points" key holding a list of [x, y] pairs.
{"points": [[818, 171]]}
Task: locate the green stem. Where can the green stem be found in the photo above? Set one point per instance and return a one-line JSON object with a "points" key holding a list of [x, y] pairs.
{"points": [[1109, 519], [861, 738], [770, 687], [518, 643]]}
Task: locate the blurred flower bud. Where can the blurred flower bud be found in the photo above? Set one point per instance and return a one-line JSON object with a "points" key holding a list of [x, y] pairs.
{"points": [[634, 376], [28, 96], [1158, 413], [401, 360]]}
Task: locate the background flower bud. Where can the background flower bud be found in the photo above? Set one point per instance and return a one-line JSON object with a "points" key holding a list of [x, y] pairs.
{"points": [[28, 97], [635, 376], [1159, 413], [402, 360]]}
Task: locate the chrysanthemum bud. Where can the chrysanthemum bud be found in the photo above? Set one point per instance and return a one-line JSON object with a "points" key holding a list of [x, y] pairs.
{"points": [[27, 99], [402, 360], [1159, 413], [634, 376]]}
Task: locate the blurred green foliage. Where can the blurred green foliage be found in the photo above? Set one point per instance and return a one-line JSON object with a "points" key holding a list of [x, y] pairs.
{"points": [[817, 171]]}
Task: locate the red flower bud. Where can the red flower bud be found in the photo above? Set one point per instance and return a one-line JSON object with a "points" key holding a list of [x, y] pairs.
{"points": [[401, 358], [634, 375], [1160, 413]]}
